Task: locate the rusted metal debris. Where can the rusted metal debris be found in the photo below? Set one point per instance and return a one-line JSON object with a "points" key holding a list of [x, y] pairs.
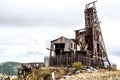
{"points": [[87, 47]]}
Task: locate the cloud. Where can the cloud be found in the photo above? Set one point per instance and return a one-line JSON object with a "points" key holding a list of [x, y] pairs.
{"points": [[110, 10], [30, 12], [23, 58], [114, 50], [34, 53], [23, 40]]}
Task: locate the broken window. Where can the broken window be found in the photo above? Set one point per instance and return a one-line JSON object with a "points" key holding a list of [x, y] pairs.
{"points": [[59, 47]]}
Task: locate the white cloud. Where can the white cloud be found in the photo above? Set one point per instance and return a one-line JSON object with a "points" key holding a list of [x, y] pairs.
{"points": [[29, 12], [19, 42], [23, 58]]}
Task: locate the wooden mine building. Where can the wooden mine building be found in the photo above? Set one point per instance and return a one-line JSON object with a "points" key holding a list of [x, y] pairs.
{"points": [[88, 46]]}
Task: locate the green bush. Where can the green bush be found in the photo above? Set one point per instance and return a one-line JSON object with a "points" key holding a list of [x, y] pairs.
{"points": [[77, 65]]}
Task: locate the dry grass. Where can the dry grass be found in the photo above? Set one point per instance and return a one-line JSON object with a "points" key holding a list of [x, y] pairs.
{"points": [[44, 73], [101, 75]]}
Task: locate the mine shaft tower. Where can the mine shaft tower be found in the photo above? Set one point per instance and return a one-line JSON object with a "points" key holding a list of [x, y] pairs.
{"points": [[89, 40]]}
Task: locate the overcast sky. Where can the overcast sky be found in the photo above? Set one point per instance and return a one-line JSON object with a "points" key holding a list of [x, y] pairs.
{"points": [[28, 26]]}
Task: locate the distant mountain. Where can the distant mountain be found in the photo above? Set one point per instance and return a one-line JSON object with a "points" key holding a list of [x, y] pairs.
{"points": [[9, 68]]}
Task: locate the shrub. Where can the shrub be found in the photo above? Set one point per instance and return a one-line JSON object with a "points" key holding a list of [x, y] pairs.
{"points": [[46, 75], [14, 79], [112, 68], [77, 65], [60, 73]]}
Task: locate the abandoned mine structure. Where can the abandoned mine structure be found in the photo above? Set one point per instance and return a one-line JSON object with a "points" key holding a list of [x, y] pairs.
{"points": [[27, 68], [88, 46]]}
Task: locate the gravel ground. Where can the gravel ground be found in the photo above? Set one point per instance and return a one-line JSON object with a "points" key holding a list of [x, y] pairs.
{"points": [[104, 75]]}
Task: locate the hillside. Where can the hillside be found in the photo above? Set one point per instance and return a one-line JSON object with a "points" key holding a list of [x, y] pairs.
{"points": [[9, 68]]}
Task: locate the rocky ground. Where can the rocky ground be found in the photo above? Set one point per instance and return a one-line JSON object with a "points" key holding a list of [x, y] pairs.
{"points": [[61, 73], [100, 75]]}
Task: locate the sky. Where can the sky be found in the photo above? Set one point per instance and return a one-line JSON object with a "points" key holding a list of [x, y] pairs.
{"points": [[28, 26]]}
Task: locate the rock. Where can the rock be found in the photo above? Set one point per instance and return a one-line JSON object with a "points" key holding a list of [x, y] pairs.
{"points": [[65, 76], [78, 71]]}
